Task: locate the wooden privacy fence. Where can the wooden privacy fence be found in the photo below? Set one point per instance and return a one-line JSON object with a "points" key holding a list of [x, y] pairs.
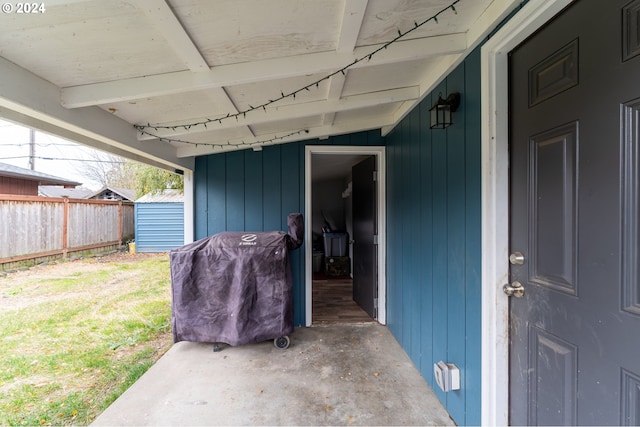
{"points": [[40, 228]]}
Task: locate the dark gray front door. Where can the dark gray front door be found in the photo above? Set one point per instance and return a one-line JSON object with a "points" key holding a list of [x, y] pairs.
{"points": [[574, 198], [365, 286]]}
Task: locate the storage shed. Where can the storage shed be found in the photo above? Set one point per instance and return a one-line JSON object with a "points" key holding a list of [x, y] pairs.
{"points": [[159, 221]]}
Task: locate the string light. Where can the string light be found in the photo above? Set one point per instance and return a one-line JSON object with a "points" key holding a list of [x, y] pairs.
{"points": [[229, 143], [145, 130]]}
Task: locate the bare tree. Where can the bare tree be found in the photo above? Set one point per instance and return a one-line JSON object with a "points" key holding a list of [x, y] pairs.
{"points": [[108, 170], [112, 171]]}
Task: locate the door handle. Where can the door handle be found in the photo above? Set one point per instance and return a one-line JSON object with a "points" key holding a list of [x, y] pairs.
{"points": [[515, 289]]}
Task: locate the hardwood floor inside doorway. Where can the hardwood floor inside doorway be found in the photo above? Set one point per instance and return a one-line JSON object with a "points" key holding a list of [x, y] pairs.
{"points": [[333, 302]]}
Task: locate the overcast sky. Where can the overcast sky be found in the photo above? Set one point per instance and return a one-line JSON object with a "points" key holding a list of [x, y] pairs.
{"points": [[53, 155]]}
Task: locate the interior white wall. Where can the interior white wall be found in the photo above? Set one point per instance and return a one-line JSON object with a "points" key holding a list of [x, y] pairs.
{"points": [[495, 202], [327, 200]]}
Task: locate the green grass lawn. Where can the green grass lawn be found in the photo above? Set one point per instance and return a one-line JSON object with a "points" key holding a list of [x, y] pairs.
{"points": [[76, 335]]}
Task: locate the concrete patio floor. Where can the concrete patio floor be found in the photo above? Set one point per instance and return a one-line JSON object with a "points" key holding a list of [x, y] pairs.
{"points": [[346, 374]]}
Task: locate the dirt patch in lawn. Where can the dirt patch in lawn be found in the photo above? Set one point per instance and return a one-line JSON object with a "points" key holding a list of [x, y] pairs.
{"points": [[25, 288]]}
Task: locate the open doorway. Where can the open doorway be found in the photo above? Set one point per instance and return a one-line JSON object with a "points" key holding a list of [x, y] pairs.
{"points": [[345, 276]]}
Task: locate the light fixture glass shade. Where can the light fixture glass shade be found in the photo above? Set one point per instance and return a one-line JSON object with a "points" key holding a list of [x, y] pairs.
{"points": [[440, 114]]}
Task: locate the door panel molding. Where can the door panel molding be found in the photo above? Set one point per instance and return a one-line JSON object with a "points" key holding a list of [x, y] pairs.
{"points": [[630, 209], [631, 32], [630, 399], [554, 177], [553, 363], [554, 75]]}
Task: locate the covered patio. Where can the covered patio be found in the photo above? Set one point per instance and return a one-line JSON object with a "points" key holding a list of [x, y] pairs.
{"points": [[340, 374], [242, 98]]}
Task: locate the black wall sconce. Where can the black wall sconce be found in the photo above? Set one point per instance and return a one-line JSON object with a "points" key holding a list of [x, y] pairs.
{"points": [[440, 113]]}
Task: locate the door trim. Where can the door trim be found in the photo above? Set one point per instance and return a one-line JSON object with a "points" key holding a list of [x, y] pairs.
{"points": [[495, 201], [379, 152]]}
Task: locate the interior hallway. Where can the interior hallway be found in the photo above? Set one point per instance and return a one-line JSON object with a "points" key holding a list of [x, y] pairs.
{"points": [[333, 302]]}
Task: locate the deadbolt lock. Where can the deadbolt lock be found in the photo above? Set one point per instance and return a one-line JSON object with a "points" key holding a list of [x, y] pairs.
{"points": [[514, 289], [516, 258]]}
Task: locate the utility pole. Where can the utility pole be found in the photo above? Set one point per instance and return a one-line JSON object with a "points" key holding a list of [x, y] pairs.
{"points": [[32, 149]]}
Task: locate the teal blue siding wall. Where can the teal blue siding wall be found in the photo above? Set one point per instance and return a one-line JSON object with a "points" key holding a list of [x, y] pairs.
{"points": [[159, 226], [433, 239], [433, 227], [255, 191]]}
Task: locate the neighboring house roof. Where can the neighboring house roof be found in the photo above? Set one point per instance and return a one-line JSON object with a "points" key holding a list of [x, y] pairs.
{"points": [[114, 193], [58, 191], [164, 196], [12, 171]]}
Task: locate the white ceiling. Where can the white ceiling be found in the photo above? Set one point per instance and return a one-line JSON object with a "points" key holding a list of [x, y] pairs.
{"points": [[90, 70]]}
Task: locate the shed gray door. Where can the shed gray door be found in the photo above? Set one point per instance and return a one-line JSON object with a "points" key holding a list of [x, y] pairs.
{"points": [[365, 286], [574, 194]]}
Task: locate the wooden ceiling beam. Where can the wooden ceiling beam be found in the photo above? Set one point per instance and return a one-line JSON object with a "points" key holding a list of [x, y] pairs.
{"points": [[352, 18], [259, 71], [166, 22], [34, 102], [324, 131], [292, 111]]}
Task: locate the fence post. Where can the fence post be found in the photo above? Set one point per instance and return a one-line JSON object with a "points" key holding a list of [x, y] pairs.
{"points": [[120, 223], [65, 226]]}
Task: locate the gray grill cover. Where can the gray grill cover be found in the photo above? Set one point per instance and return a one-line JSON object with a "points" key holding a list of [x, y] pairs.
{"points": [[234, 288]]}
